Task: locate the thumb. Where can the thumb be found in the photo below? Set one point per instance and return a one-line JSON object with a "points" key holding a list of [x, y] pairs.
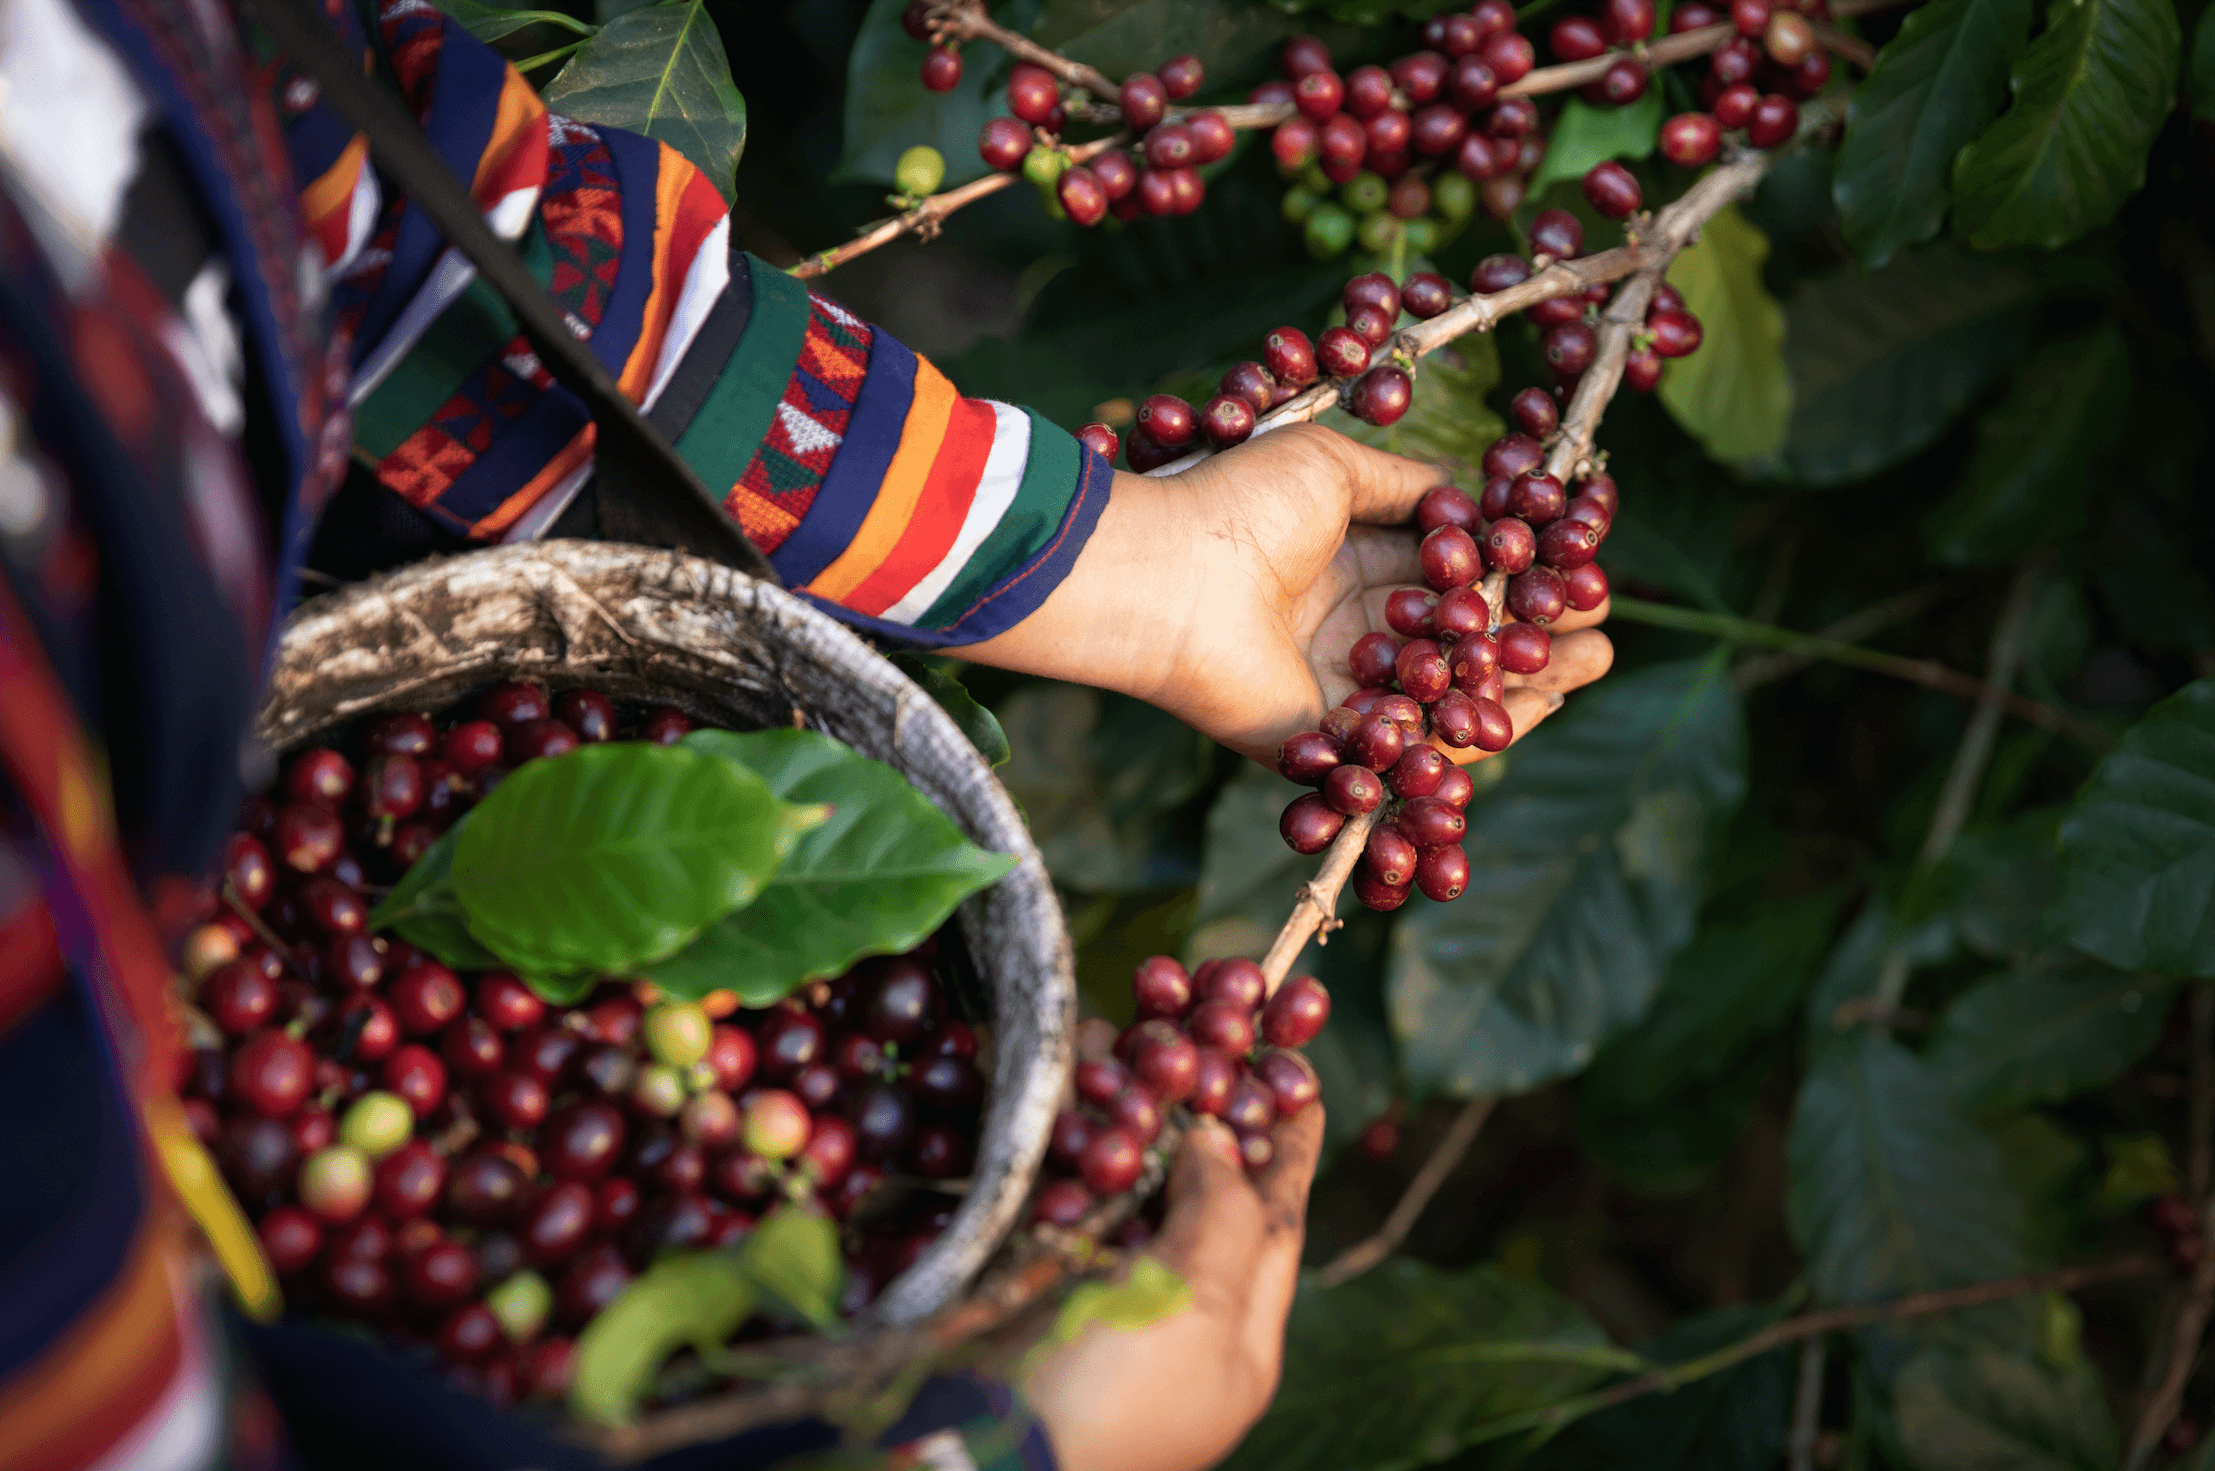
{"points": [[1382, 488]]}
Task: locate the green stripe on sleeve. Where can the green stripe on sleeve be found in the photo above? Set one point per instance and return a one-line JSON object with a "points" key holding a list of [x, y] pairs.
{"points": [[1031, 519], [723, 436]]}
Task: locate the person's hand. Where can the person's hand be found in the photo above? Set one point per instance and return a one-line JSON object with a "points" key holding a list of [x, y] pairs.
{"points": [[1179, 1393], [1230, 595]]}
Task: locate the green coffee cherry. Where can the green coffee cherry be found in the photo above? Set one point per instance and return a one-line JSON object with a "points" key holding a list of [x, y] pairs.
{"points": [[377, 1124], [1422, 234], [1453, 196], [659, 1091], [1314, 180], [1365, 192], [920, 170], [1043, 166], [679, 1033], [1379, 231], [1329, 231], [522, 1304], [1049, 200], [1299, 203]]}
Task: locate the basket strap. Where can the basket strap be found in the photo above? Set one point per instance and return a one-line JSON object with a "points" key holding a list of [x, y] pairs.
{"points": [[638, 469]]}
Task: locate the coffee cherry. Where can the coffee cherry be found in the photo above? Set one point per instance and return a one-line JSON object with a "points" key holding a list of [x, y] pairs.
{"points": [[1161, 987], [1512, 455], [1403, 712], [1524, 649], [1227, 421], [376, 1124], [1775, 119], [1627, 21], [1307, 757], [1081, 194], [1442, 873], [1569, 348], [1612, 191], [1309, 824], [415, 1073], [290, 1238], [1428, 822], [1509, 55], [1567, 544], [1534, 412], [1318, 93], [1378, 895], [1341, 352], [1425, 294], [942, 69], [1421, 669], [1557, 233], [1585, 587], [789, 1041], [1642, 369], [1454, 720], [1354, 790], [239, 997], [1004, 144], [1623, 83], [1417, 772], [369, 1023], [308, 837], [1341, 143], [1144, 100], [1750, 17], [1601, 488], [1734, 106], [1296, 1014], [407, 1181], [1032, 93], [1810, 76], [320, 776], [1372, 657], [470, 1048], [1448, 557], [1101, 440], [334, 1183], [515, 1100], [1407, 612], [426, 999], [1100, 1079], [271, 1073], [1493, 732], [1252, 1108], [1382, 396], [1536, 596], [1691, 139], [1212, 137], [1692, 16], [1537, 498], [1290, 1080], [1388, 856], [1167, 420], [1181, 76], [1377, 742], [1476, 655], [1675, 334], [1061, 1203], [1577, 38]]}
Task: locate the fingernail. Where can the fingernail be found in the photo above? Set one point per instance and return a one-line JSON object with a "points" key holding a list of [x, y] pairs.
{"points": [[1553, 702], [1213, 1135]]}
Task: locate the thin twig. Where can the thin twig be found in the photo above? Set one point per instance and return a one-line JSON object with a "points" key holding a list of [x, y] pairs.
{"points": [[1812, 1325], [2010, 636], [966, 20], [1444, 1160], [1315, 912], [1580, 425], [1853, 48], [2189, 1324], [1760, 669], [1807, 1406], [1925, 672]]}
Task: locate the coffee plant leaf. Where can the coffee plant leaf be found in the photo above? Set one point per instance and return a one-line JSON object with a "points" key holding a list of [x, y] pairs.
{"points": [[2137, 882], [952, 696], [2089, 95], [491, 22], [607, 10], [661, 70], [689, 1299], [1233, 39], [1735, 394], [614, 856], [889, 110], [1405, 1365], [2047, 1032], [877, 876], [1882, 362], [1585, 135], [1992, 886], [2050, 1170], [1892, 1190], [2202, 87], [1586, 871], [423, 909], [1103, 781], [1935, 86], [1151, 1291], [2038, 453], [1731, 1421], [1247, 880], [1447, 422], [793, 1260], [1976, 1406]]}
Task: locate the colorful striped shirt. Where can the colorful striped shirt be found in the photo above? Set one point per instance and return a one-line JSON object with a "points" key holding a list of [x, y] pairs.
{"points": [[875, 488]]}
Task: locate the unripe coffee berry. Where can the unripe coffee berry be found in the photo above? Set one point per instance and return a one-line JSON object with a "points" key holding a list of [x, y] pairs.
{"points": [[335, 1182], [376, 1123], [921, 170]]}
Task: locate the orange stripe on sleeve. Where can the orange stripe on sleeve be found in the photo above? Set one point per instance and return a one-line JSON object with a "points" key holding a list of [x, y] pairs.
{"points": [[517, 154], [333, 192], [938, 514], [920, 437], [686, 208]]}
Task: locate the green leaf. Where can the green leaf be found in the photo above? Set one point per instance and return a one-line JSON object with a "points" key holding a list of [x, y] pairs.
{"points": [[1892, 1191], [976, 722], [424, 910], [2046, 1033], [1100, 778], [1447, 422], [2203, 86], [880, 872], [889, 110], [1586, 870], [694, 1299], [661, 71], [1152, 1291], [1406, 1364], [1934, 87], [1979, 1409], [1882, 362], [491, 22], [1992, 886], [1733, 395], [2089, 96], [2038, 453], [1585, 135], [2137, 885], [614, 856], [792, 1257], [1668, 1099], [1732, 1421]]}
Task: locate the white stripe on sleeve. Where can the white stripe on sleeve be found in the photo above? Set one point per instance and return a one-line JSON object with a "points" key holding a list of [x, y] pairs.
{"points": [[1003, 477]]}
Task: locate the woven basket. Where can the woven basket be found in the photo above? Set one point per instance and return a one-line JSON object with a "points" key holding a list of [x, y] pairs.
{"points": [[663, 627]]}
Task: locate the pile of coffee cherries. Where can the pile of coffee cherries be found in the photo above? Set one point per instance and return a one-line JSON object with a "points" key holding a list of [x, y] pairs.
{"points": [[1442, 669], [1214, 1040], [463, 1166]]}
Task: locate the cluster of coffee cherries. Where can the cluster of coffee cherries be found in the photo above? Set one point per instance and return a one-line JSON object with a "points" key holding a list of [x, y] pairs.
{"points": [[1754, 83], [1214, 1040], [461, 1165], [1441, 671]]}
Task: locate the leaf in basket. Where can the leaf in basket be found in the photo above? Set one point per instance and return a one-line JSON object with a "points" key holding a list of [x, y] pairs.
{"points": [[423, 910], [793, 1259], [615, 856], [876, 878], [696, 1299], [1154, 1290]]}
